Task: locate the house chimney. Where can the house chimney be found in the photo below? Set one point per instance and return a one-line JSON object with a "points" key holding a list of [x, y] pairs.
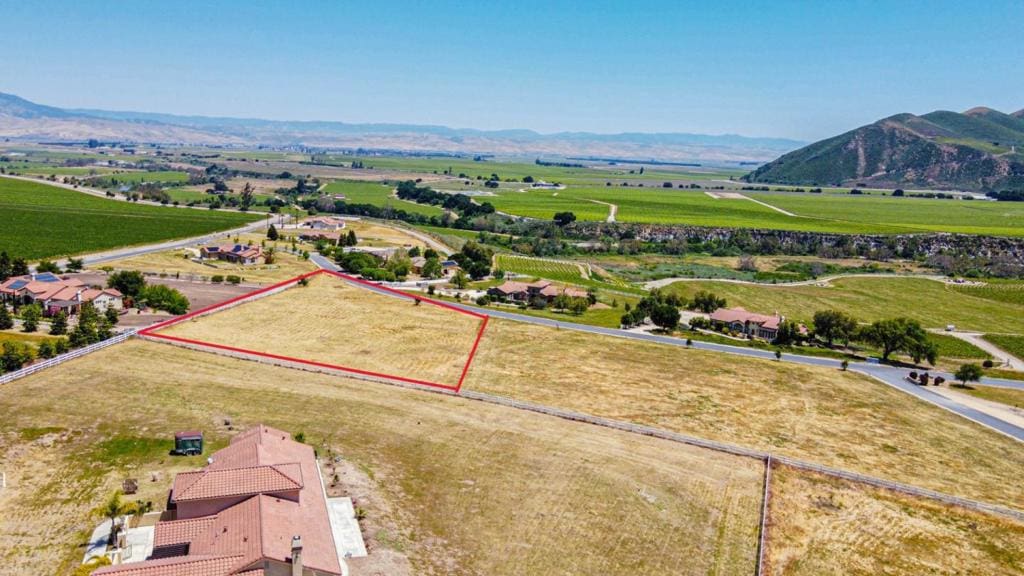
{"points": [[78, 296], [296, 556]]}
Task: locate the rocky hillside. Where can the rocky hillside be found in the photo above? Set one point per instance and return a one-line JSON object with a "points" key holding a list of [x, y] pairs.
{"points": [[980, 150]]}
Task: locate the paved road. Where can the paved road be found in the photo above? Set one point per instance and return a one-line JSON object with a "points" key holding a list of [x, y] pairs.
{"points": [[977, 339], [895, 377]]}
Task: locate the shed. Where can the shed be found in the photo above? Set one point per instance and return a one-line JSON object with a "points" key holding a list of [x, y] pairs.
{"points": [[188, 443]]}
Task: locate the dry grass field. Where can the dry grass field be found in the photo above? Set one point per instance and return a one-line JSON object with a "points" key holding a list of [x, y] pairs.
{"points": [[336, 322], [835, 418], [455, 486], [821, 525], [178, 262]]}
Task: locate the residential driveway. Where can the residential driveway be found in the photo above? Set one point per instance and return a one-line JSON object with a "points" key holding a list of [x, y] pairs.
{"points": [[1001, 356]]}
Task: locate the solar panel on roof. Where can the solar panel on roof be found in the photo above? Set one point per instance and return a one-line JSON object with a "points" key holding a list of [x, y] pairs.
{"points": [[18, 284], [47, 277]]}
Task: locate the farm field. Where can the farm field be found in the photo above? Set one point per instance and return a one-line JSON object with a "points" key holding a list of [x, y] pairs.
{"points": [[179, 262], [932, 303], [444, 481], [911, 214], [1009, 291], [1014, 344], [378, 195], [159, 176], [835, 418], [822, 525], [42, 221], [336, 322], [953, 347]]}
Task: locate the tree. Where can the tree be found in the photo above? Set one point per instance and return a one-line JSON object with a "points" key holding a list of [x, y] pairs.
{"points": [[563, 219], [14, 355], [114, 509], [30, 316], [272, 233], [75, 264], [414, 251], [460, 280], [788, 333], [844, 365], [5, 266], [19, 267], [131, 283], [665, 316], [269, 255], [432, 268], [6, 321], [84, 332], [834, 325], [968, 373], [706, 302], [48, 266], [246, 196], [111, 315], [900, 335], [350, 238], [778, 354], [578, 306], [165, 298]]}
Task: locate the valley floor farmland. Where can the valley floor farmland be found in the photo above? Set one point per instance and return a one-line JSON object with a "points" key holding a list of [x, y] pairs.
{"points": [[934, 304], [456, 486], [835, 418], [41, 221]]}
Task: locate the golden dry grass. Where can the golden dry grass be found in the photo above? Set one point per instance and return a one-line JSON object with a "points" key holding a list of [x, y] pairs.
{"points": [[835, 418], [333, 321], [172, 262], [470, 488], [823, 525], [376, 235]]}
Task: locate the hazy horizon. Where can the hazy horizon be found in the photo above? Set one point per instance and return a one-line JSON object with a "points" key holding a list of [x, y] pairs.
{"points": [[776, 70]]}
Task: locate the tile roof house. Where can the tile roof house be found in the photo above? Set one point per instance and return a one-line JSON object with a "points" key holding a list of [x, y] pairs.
{"points": [[56, 294], [258, 509], [237, 253], [331, 223], [749, 324], [522, 292]]}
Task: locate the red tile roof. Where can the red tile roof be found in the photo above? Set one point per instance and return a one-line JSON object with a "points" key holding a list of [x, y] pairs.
{"points": [[243, 535], [730, 315]]}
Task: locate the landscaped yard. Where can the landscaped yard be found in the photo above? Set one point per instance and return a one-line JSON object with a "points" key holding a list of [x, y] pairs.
{"points": [[42, 221], [449, 485]]}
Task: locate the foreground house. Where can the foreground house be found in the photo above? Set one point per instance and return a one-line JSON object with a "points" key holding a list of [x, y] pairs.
{"points": [[235, 253], [329, 223], [750, 324], [258, 509], [523, 292], [55, 294]]}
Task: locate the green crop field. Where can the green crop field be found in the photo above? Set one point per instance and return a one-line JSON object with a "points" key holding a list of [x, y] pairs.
{"points": [[378, 195], [1013, 344], [42, 221], [1009, 292], [953, 347], [932, 303]]}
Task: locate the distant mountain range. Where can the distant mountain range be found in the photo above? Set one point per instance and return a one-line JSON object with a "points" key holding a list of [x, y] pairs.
{"points": [[24, 120], [979, 150]]}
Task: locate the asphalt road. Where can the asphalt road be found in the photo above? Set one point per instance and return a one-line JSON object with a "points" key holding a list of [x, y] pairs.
{"points": [[895, 377]]}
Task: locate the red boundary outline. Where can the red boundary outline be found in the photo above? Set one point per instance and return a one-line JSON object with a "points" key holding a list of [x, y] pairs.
{"points": [[151, 331]]}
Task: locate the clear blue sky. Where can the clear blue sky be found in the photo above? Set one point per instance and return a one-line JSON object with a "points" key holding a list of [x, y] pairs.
{"points": [[792, 69]]}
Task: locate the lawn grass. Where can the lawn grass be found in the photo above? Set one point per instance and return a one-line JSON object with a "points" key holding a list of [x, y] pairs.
{"points": [[333, 321], [42, 221], [448, 485], [821, 525], [932, 303], [835, 418]]}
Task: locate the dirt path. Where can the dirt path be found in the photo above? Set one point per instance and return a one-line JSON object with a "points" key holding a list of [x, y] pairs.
{"points": [[1001, 356], [612, 210], [776, 208], [1006, 413], [823, 280]]}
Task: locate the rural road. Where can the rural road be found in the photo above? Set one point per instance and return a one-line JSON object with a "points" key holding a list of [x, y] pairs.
{"points": [[895, 377]]}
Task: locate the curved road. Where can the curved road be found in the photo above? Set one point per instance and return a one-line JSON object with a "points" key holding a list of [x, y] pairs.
{"points": [[895, 377]]}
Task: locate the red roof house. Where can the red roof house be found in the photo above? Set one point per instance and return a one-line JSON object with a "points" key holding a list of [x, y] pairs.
{"points": [[257, 509]]}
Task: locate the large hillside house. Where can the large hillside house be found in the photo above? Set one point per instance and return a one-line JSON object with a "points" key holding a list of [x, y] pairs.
{"points": [[523, 292], [55, 294], [329, 223], [750, 324], [257, 509], [236, 253]]}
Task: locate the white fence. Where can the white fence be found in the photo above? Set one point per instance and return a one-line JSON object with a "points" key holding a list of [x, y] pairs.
{"points": [[76, 353]]}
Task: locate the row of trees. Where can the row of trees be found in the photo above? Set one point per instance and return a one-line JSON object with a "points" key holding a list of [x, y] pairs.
{"points": [[133, 285], [660, 306], [890, 336]]}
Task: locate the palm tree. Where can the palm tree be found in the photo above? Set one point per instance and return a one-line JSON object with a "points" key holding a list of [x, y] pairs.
{"points": [[114, 509]]}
